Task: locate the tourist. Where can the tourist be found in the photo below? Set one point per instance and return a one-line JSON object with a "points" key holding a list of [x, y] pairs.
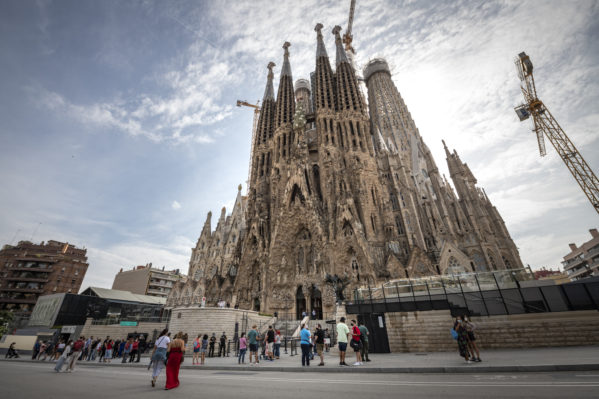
{"points": [[108, 352], [134, 349], [98, 352], [77, 348], [116, 348], [43, 352], [222, 345], [142, 347], [158, 357], [327, 340], [59, 350], [36, 349], [253, 338], [342, 333], [176, 355], [12, 352], [212, 343], [277, 350], [86, 347], [462, 338], [319, 343], [242, 349], [204, 349], [356, 342], [127, 349], [305, 337], [197, 345], [313, 314], [364, 333], [270, 342], [63, 356], [470, 327]]}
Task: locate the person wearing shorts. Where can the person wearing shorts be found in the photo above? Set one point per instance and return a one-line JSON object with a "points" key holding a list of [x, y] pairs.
{"points": [[342, 333], [253, 341], [319, 341]]}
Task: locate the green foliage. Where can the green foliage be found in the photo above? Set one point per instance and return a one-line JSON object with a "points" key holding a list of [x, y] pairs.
{"points": [[5, 318]]}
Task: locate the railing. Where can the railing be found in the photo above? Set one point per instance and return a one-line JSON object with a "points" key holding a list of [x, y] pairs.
{"points": [[475, 294], [117, 320]]}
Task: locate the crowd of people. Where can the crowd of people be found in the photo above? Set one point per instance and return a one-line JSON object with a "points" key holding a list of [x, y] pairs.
{"points": [[169, 353]]}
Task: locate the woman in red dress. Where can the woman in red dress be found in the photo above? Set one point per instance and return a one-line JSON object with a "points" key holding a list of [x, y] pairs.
{"points": [[176, 350]]}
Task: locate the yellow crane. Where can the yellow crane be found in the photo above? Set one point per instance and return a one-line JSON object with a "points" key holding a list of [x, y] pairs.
{"points": [[545, 124], [256, 108], [348, 37]]}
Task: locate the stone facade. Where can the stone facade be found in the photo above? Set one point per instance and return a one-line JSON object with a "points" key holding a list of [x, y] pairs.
{"points": [[117, 331], [430, 331], [338, 193]]}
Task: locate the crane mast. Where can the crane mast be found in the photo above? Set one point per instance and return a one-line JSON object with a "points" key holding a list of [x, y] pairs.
{"points": [[256, 108], [348, 37], [546, 125]]}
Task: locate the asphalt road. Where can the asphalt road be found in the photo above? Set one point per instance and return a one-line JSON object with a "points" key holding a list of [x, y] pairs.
{"points": [[35, 380]]}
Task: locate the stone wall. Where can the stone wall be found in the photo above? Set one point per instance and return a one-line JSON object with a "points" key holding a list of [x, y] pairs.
{"points": [[194, 321], [430, 331], [117, 331]]}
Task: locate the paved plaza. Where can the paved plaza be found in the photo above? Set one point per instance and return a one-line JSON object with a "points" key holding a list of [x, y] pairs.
{"points": [[38, 380]]}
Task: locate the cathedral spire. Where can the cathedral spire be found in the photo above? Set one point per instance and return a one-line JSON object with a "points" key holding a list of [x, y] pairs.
{"points": [[321, 50], [324, 92], [286, 70], [269, 92], [341, 56], [265, 128], [285, 95]]}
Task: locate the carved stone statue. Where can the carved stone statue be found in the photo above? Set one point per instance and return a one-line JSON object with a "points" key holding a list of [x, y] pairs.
{"points": [[338, 284]]}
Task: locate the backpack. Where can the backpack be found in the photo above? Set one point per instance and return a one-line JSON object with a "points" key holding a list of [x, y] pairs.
{"points": [[77, 346], [196, 344]]}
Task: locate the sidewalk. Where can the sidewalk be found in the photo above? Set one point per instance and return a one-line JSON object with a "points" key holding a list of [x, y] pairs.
{"points": [[578, 358]]}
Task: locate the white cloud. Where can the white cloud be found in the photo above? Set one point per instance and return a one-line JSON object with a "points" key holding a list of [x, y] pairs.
{"points": [[176, 205]]}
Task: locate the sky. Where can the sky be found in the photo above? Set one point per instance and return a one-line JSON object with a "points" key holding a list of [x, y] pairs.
{"points": [[119, 130]]}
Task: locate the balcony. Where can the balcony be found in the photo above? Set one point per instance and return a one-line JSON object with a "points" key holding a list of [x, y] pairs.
{"points": [[31, 269], [579, 273], [573, 262], [23, 290], [19, 300], [28, 279]]}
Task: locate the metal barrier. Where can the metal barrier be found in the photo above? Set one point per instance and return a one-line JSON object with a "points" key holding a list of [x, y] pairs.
{"points": [[476, 295]]}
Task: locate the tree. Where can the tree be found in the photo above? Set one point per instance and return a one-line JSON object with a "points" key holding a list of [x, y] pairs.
{"points": [[5, 318]]}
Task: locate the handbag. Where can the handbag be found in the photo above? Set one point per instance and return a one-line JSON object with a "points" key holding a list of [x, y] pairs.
{"points": [[454, 334]]}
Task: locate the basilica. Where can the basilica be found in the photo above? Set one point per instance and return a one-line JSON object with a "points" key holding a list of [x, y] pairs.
{"points": [[340, 190]]}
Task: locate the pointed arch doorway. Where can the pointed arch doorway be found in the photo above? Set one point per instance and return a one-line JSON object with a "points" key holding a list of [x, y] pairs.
{"points": [[316, 302], [300, 303]]}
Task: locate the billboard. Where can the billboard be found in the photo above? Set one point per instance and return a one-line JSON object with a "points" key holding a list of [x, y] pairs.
{"points": [[45, 310]]}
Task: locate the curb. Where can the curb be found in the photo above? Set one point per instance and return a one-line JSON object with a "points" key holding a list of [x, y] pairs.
{"points": [[369, 370]]}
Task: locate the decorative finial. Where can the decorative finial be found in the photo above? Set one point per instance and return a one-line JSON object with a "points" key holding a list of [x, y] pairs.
{"points": [[239, 187], [318, 28], [336, 31], [286, 47], [270, 66]]}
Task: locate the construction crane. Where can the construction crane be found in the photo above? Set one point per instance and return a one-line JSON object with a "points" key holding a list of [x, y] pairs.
{"points": [[256, 107], [347, 37], [545, 123]]}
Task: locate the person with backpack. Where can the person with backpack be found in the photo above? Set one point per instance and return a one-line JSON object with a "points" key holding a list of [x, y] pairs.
{"points": [[197, 345], [127, 350], [77, 348], [159, 355], [356, 342], [460, 334]]}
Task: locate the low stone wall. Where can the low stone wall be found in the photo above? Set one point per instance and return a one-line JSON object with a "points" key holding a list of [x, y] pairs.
{"points": [[430, 331], [117, 331], [195, 320]]}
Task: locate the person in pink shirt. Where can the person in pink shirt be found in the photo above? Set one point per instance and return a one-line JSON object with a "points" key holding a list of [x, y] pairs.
{"points": [[242, 348]]}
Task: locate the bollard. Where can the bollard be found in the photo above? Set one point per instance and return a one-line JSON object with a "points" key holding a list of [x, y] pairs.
{"points": [[285, 345]]}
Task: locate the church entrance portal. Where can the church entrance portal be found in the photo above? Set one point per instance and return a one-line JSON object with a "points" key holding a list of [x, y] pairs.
{"points": [[316, 302], [300, 303]]}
